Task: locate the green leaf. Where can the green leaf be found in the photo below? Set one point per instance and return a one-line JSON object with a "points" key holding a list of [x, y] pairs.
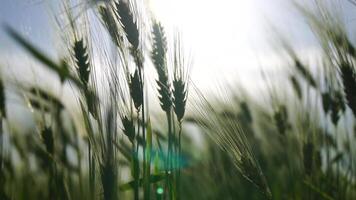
{"points": [[124, 149], [317, 190], [61, 69]]}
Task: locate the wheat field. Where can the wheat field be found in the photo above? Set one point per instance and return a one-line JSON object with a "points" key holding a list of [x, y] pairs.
{"points": [[128, 121]]}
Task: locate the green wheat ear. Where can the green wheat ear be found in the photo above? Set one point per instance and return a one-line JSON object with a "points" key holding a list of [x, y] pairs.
{"points": [[128, 22], [180, 98], [129, 128], [296, 86], [180, 79], [303, 70], [136, 89], [158, 55], [47, 137], [82, 61], [349, 81], [60, 68], [42, 100], [109, 21], [281, 119]]}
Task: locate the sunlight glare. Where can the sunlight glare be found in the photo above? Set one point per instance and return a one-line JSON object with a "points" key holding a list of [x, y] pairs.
{"points": [[219, 33]]}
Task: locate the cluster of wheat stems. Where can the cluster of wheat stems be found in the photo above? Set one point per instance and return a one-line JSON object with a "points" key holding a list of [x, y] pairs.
{"points": [[113, 148], [122, 109]]}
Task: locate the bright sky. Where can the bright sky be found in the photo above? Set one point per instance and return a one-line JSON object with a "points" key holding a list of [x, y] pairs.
{"points": [[228, 39]]}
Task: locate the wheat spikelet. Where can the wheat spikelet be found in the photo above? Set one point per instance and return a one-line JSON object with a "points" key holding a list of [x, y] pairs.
{"points": [[129, 24], [82, 61], [158, 54], [349, 82], [281, 119], [180, 98], [136, 89], [337, 106], [180, 80], [128, 128], [47, 136], [326, 101], [228, 134], [305, 73], [296, 86], [42, 100], [109, 21]]}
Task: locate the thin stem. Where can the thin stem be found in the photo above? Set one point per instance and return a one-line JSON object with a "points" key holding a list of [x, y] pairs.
{"points": [[136, 162], [91, 171], [147, 187], [179, 163], [136, 171], [169, 152]]}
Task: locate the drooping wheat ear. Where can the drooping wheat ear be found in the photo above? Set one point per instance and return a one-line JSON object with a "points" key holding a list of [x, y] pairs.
{"points": [[281, 119], [158, 54], [82, 61], [92, 102], [136, 89], [47, 137], [337, 106], [252, 172], [296, 86], [109, 21], [180, 80], [228, 134], [128, 128], [129, 23], [326, 100], [302, 69], [349, 82], [40, 96], [339, 49]]}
